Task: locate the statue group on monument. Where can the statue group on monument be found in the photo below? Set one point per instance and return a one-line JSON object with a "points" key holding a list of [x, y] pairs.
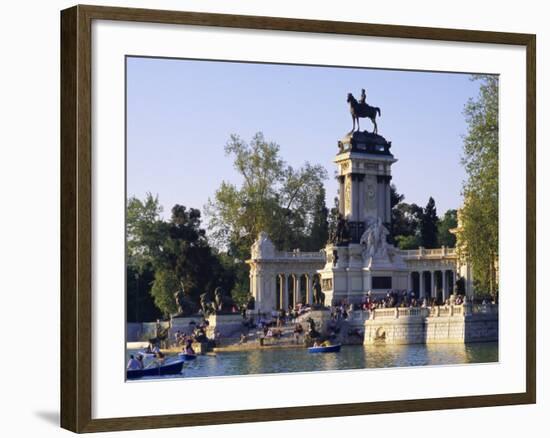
{"points": [[222, 302], [375, 239], [340, 234]]}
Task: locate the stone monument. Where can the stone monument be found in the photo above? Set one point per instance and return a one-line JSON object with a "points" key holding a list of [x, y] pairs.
{"points": [[359, 258]]}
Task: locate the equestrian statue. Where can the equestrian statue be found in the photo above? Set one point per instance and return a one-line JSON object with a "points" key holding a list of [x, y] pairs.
{"points": [[360, 109]]}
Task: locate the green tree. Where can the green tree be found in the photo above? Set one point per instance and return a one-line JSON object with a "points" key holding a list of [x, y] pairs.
{"points": [[428, 225], [163, 255], [319, 224], [186, 259], [164, 286], [274, 197], [140, 305], [479, 215], [142, 228], [448, 222], [408, 242], [405, 231]]}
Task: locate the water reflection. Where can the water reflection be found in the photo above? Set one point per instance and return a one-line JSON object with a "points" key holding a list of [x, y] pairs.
{"points": [[350, 357]]}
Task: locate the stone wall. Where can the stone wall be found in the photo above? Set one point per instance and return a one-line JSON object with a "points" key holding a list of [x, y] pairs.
{"points": [[142, 331], [431, 329]]}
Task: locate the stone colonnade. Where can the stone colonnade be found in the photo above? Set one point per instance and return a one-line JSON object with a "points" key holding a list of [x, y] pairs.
{"points": [[294, 288], [432, 283], [284, 282]]}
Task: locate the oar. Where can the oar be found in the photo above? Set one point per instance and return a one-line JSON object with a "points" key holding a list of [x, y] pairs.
{"points": [[153, 362]]}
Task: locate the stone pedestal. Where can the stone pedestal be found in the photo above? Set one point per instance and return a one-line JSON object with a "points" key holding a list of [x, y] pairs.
{"points": [[350, 273], [184, 325], [321, 318], [229, 325]]}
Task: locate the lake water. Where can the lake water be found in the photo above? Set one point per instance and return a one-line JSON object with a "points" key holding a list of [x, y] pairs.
{"points": [[350, 357]]}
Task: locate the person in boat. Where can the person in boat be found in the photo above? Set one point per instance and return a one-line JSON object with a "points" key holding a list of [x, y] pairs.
{"points": [[133, 363], [160, 358], [156, 349], [189, 349], [140, 360]]}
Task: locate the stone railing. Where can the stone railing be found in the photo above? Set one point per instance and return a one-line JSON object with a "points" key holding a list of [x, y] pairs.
{"points": [[428, 253], [296, 254], [399, 312], [433, 311]]}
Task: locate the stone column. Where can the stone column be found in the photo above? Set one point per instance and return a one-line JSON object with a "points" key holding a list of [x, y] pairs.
{"points": [[434, 285], [387, 212], [422, 286], [297, 290], [341, 195], [445, 284], [273, 291], [285, 291], [362, 195], [453, 281], [259, 292], [309, 289], [280, 292]]}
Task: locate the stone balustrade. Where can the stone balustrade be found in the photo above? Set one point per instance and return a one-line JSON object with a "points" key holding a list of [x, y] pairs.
{"points": [[315, 255], [435, 324], [433, 311], [423, 253]]}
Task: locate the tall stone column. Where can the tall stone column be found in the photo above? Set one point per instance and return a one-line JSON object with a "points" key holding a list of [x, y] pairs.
{"points": [[280, 291], [297, 290], [309, 289], [445, 284], [341, 194], [387, 212], [285, 291], [422, 286], [433, 284], [453, 281]]}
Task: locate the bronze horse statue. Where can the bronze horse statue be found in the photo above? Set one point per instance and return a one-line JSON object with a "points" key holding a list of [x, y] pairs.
{"points": [[361, 110]]}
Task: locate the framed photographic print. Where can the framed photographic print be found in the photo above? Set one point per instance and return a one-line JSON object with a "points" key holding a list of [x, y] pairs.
{"points": [[258, 211]]}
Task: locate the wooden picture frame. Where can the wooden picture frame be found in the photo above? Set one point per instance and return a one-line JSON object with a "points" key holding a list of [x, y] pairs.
{"points": [[76, 217]]}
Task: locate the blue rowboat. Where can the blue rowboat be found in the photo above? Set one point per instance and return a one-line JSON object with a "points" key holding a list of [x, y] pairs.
{"points": [[163, 370], [187, 357], [145, 354], [327, 349]]}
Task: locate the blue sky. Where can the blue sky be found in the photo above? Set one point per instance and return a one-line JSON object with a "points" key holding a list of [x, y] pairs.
{"points": [[180, 114]]}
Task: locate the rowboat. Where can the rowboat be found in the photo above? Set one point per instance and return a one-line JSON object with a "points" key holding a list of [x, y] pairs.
{"points": [[162, 370], [187, 357], [146, 353], [327, 349]]}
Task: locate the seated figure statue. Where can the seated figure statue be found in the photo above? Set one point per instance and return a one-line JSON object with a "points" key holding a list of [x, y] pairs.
{"points": [[318, 294], [184, 303], [206, 304], [224, 301]]}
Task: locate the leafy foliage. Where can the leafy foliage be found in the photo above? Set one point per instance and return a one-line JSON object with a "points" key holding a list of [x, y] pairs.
{"points": [[448, 222], [428, 225], [479, 235], [274, 197], [175, 253], [285, 202]]}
